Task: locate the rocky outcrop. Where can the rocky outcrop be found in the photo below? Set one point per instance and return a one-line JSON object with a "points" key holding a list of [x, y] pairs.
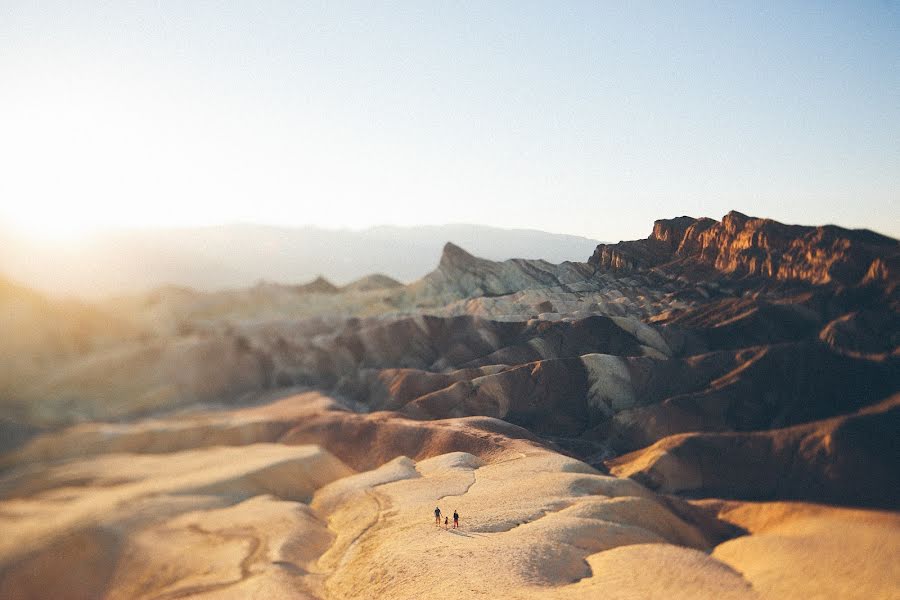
{"points": [[742, 246], [631, 256], [659, 248], [462, 275]]}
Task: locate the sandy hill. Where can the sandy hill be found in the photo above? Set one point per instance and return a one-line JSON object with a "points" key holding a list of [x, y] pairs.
{"points": [[256, 502]]}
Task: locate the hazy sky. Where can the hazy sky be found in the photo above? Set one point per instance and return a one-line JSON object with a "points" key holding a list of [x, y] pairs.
{"points": [[591, 118]]}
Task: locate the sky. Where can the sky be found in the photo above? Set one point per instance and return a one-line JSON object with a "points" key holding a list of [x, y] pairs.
{"points": [[589, 118]]}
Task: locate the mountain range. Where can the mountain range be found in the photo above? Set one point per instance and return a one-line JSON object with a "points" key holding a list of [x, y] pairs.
{"points": [[233, 256], [711, 411]]}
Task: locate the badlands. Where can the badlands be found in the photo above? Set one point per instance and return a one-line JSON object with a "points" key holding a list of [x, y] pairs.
{"points": [[710, 412]]}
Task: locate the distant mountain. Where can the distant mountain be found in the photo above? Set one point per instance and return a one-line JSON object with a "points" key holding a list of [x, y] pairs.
{"points": [[209, 258]]}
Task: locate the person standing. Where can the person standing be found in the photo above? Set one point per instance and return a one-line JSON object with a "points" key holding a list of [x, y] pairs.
{"points": [[446, 523], [455, 519], [437, 516]]}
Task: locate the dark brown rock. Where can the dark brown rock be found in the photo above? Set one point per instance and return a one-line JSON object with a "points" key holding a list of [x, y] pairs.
{"points": [[848, 460]]}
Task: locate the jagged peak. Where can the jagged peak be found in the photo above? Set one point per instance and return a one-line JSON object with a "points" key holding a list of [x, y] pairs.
{"points": [[734, 215], [454, 256]]}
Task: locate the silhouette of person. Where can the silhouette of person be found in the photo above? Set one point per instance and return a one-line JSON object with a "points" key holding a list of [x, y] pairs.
{"points": [[455, 519], [446, 522], [437, 516]]}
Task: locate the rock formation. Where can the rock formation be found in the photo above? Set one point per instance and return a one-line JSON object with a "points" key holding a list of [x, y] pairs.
{"points": [[745, 246]]}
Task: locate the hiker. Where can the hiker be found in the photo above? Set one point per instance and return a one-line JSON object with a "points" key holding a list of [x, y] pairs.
{"points": [[437, 516], [446, 522], [455, 519]]}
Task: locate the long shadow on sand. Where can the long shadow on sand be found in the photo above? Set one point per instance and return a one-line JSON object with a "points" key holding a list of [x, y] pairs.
{"points": [[469, 535]]}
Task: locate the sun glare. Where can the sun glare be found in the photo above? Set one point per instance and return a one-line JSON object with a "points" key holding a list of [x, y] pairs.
{"points": [[62, 160], [49, 223]]}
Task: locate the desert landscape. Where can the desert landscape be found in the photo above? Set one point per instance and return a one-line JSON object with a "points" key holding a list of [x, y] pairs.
{"points": [[708, 412], [404, 300]]}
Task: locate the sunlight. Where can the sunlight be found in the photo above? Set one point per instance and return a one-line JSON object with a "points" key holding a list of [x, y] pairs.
{"points": [[41, 227], [84, 155], [67, 151]]}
